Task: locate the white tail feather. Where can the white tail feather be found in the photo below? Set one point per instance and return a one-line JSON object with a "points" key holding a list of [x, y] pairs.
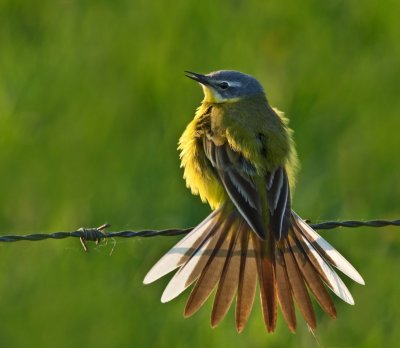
{"points": [[338, 260], [190, 271], [335, 283], [180, 253]]}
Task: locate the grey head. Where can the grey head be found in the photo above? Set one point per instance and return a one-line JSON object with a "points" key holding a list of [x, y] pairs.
{"points": [[227, 85]]}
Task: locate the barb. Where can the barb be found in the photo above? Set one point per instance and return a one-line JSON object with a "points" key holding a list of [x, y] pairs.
{"points": [[98, 234]]}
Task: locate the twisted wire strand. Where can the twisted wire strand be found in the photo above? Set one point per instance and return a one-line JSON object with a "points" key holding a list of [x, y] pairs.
{"points": [[98, 234]]}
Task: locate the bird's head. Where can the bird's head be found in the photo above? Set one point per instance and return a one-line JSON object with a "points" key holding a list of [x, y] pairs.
{"points": [[227, 86]]}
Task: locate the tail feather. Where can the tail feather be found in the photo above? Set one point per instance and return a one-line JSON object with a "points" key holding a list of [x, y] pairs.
{"points": [[192, 269], [299, 289], [325, 270], [183, 250], [223, 252], [266, 276], [328, 251], [228, 283], [284, 291], [247, 279], [210, 274], [311, 277]]}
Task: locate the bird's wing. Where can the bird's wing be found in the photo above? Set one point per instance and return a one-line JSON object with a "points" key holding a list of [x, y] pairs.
{"points": [[278, 193], [243, 187]]}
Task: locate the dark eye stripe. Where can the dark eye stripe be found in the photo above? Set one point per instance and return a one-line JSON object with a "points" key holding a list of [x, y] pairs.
{"points": [[223, 85]]}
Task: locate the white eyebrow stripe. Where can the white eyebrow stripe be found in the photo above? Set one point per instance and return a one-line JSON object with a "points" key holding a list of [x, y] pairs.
{"points": [[232, 83], [235, 84]]}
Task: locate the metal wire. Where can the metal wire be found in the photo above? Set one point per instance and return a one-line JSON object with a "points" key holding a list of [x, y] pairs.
{"points": [[98, 234]]}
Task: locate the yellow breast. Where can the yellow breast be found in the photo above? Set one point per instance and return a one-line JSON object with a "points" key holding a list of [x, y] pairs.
{"points": [[198, 173]]}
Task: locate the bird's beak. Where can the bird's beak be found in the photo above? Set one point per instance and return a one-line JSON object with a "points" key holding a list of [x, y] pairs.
{"points": [[203, 79]]}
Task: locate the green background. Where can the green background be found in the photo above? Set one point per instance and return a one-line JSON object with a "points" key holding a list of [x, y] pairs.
{"points": [[92, 102]]}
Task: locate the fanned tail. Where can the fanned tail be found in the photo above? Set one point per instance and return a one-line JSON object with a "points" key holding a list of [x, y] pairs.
{"points": [[224, 253]]}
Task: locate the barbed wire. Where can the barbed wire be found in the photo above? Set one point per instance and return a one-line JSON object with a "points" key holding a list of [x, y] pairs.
{"points": [[98, 234]]}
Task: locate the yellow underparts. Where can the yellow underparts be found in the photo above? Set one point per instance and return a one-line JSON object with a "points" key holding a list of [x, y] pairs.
{"points": [[197, 171]]}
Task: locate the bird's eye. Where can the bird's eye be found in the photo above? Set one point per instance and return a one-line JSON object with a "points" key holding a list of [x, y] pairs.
{"points": [[223, 85]]}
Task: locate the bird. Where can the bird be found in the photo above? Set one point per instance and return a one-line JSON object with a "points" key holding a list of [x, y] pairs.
{"points": [[239, 156]]}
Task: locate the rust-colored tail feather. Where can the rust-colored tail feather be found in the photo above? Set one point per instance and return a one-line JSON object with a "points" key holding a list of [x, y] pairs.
{"points": [[312, 277], [247, 280], [284, 291], [228, 283], [298, 286], [210, 274], [266, 277]]}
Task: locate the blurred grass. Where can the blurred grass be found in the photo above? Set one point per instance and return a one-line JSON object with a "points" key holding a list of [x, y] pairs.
{"points": [[92, 102]]}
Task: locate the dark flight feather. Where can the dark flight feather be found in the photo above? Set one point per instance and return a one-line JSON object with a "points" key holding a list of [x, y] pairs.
{"points": [[242, 190], [279, 204], [230, 175]]}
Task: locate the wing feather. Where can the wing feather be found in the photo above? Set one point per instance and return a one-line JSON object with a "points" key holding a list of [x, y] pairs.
{"points": [[230, 178], [275, 188], [279, 204], [233, 171]]}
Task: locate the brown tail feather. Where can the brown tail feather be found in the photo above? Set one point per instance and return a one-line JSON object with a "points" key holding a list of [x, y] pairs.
{"points": [[266, 276], [247, 279], [284, 291], [299, 289], [312, 277], [228, 283], [310, 256], [210, 275], [191, 270]]}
